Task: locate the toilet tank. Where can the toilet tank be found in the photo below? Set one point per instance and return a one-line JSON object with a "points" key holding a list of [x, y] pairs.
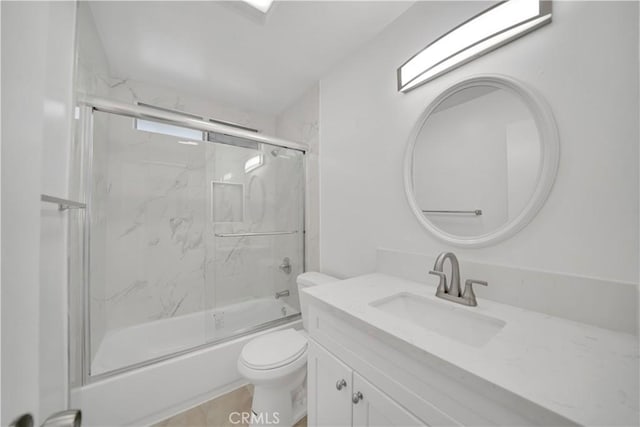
{"points": [[306, 280]]}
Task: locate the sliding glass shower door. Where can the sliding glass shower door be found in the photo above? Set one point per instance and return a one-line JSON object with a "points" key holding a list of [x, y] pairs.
{"points": [[257, 210], [148, 223], [193, 238]]}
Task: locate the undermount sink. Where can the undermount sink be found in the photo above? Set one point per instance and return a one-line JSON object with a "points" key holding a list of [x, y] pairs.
{"points": [[443, 318]]}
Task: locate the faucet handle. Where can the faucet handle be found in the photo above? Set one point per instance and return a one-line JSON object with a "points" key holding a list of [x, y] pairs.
{"points": [[442, 285], [468, 295]]}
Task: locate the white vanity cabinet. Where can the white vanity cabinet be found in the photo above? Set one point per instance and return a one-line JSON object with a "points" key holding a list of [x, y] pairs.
{"points": [[339, 396], [375, 408], [400, 384], [329, 388]]}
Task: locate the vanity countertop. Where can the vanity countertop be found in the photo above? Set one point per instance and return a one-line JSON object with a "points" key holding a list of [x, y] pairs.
{"points": [[587, 374]]}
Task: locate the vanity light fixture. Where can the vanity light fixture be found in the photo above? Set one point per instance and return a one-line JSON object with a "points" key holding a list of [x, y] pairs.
{"points": [[262, 5], [481, 34]]}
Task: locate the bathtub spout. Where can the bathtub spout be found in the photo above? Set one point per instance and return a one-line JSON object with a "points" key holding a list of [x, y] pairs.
{"points": [[282, 294]]}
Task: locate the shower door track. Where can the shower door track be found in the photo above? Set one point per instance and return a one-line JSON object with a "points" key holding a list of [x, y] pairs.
{"points": [[141, 111], [90, 104], [236, 334]]}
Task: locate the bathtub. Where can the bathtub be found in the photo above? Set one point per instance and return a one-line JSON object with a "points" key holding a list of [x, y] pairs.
{"points": [[126, 389], [138, 344]]}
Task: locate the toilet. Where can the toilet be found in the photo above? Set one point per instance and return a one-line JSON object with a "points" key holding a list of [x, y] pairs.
{"points": [[276, 364]]}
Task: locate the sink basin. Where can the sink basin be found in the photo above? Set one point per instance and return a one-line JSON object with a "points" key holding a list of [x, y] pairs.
{"points": [[443, 318]]}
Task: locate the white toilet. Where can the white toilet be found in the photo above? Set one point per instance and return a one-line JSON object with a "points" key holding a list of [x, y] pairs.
{"points": [[276, 364]]}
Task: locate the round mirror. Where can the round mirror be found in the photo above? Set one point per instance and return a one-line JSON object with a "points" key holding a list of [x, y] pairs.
{"points": [[481, 161]]}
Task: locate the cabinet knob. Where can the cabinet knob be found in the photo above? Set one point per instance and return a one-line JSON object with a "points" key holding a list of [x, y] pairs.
{"points": [[357, 397], [340, 384]]}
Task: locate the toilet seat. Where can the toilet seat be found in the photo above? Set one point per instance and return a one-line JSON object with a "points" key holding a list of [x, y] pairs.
{"points": [[274, 350]]}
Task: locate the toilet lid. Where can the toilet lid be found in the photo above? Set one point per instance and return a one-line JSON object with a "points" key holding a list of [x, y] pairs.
{"points": [[274, 349]]}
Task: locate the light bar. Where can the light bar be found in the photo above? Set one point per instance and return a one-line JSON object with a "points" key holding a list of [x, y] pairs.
{"points": [[484, 32]]}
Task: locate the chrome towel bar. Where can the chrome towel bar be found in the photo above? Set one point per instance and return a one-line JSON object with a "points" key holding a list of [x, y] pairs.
{"points": [[267, 233], [476, 212], [63, 204]]}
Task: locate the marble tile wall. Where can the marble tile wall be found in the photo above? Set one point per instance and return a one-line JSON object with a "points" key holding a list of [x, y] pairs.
{"points": [[247, 267], [131, 91], [162, 256], [155, 224]]}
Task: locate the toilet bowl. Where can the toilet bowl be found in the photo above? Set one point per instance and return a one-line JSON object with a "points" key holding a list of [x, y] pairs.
{"points": [[276, 364]]}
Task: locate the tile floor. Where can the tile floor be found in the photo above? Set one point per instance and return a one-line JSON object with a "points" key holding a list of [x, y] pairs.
{"points": [[215, 413]]}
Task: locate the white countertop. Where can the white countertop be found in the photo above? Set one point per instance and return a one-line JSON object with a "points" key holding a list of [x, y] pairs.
{"points": [[587, 374]]}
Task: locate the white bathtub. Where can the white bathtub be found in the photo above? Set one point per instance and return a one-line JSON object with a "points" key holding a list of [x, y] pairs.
{"points": [[147, 394], [140, 343]]}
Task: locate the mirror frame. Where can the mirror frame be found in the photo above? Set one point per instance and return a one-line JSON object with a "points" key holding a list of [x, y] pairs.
{"points": [[550, 156]]}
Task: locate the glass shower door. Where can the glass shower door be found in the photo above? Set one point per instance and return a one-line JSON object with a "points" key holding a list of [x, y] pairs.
{"points": [[193, 238], [256, 236], [148, 215]]}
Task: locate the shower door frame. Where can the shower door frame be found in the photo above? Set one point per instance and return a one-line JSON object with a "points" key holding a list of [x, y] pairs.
{"points": [[88, 106]]}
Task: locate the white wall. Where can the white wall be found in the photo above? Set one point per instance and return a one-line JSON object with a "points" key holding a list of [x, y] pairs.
{"points": [[585, 63], [523, 163], [37, 64]]}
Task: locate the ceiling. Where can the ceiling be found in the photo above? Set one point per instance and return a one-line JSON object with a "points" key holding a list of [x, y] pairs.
{"points": [[228, 52]]}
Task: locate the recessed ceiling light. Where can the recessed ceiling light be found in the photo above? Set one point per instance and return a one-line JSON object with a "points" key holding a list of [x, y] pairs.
{"points": [[262, 5], [484, 32]]}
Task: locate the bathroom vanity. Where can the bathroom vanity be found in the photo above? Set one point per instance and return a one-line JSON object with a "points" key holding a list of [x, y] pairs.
{"points": [[386, 351]]}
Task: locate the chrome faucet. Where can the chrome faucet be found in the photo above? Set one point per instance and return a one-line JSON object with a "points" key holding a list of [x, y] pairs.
{"points": [[452, 292], [285, 266]]}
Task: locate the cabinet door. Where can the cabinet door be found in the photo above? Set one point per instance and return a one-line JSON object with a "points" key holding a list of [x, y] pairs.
{"points": [[329, 388], [374, 408]]}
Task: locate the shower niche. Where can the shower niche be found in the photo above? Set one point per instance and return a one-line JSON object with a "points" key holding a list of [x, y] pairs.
{"points": [[183, 239]]}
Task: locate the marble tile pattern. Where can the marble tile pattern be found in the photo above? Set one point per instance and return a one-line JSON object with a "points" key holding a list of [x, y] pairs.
{"points": [[155, 226], [587, 374], [247, 267], [215, 413], [163, 258]]}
